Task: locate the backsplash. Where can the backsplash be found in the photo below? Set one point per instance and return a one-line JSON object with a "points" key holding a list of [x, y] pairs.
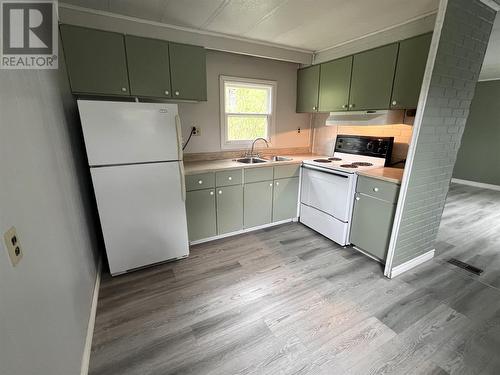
{"points": [[324, 136]]}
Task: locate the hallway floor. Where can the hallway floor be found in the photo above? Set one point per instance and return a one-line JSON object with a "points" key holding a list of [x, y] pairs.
{"points": [[470, 230], [286, 300]]}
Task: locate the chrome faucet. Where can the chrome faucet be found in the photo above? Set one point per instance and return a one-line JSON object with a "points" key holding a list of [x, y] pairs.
{"points": [[253, 145]]}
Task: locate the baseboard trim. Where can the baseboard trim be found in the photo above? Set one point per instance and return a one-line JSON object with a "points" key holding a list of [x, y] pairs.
{"points": [[91, 325], [402, 268], [476, 184], [243, 231]]}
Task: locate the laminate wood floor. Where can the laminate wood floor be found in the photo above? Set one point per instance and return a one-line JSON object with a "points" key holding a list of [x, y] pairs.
{"points": [[470, 230], [286, 300]]}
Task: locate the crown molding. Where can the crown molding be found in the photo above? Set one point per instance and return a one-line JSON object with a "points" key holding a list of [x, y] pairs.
{"points": [[211, 40]]}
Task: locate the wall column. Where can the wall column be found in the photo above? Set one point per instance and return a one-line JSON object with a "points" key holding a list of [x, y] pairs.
{"points": [[455, 59]]}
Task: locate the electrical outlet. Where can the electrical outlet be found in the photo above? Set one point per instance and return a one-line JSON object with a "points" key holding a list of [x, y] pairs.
{"points": [[196, 130], [13, 246]]}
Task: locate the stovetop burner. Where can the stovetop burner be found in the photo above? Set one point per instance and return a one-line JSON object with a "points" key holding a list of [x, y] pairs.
{"points": [[335, 159], [362, 164], [348, 165], [322, 161]]}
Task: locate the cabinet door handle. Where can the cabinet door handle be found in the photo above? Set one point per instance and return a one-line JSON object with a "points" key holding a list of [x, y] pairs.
{"points": [[375, 189], [220, 192], [229, 178], [124, 89], [271, 185], [177, 93], [277, 183], [394, 102], [357, 197], [200, 182], [167, 92], [344, 106], [351, 105], [211, 193]]}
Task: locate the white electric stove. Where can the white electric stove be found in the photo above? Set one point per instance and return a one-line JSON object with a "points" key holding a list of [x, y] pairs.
{"points": [[328, 184]]}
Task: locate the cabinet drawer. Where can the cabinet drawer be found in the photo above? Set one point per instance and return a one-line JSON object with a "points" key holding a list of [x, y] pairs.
{"points": [[227, 178], [286, 171], [258, 174], [377, 188], [200, 181]]}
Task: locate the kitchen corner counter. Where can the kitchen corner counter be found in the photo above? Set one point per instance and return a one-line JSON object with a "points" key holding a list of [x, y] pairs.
{"points": [[394, 175], [194, 167]]}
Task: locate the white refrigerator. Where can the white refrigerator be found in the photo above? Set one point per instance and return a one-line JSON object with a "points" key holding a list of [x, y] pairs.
{"points": [[135, 158]]}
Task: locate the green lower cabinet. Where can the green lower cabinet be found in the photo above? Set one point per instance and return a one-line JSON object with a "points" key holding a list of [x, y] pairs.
{"points": [[201, 216], [285, 197], [371, 226], [258, 204], [229, 209]]}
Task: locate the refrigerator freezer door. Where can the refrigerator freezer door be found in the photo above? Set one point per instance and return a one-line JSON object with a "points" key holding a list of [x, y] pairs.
{"points": [[127, 132], [143, 216]]}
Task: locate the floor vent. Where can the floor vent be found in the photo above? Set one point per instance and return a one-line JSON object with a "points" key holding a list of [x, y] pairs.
{"points": [[465, 266]]}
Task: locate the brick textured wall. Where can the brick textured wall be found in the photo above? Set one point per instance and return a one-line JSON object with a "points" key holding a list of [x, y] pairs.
{"points": [[464, 36]]}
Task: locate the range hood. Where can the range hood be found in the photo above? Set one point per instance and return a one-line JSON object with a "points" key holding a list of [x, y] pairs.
{"points": [[370, 117]]}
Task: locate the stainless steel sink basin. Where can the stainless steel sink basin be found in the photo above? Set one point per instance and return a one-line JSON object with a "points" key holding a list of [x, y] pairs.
{"points": [[252, 160], [280, 158]]}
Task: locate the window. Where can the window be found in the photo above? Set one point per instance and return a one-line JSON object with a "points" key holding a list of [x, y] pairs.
{"points": [[247, 111]]}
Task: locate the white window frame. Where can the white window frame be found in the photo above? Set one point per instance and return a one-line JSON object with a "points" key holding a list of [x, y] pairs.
{"points": [[271, 124]]}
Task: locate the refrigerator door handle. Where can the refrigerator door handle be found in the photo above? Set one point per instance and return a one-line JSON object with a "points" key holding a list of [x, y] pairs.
{"points": [[183, 181], [179, 136]]}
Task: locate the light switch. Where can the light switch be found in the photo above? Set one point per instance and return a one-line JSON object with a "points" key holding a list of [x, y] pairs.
{"points": [[13, 246]]}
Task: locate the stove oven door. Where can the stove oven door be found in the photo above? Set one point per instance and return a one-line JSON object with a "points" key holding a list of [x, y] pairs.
{"points": [[328, 191]]}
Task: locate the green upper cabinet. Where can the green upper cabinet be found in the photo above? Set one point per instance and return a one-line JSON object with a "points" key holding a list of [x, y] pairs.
{"points": [[188, 72], [307, 89], [372, 77], [96, 61], [334, 84], [103, 63], [412, 59], [148, 67]]}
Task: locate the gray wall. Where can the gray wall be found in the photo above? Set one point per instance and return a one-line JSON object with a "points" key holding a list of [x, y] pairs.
{"points": [[45, 301], [207, 114], [479, 157], [462, 45]]}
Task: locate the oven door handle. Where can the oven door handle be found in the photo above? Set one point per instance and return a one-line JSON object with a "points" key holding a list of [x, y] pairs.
{"points": [[329, 171]]}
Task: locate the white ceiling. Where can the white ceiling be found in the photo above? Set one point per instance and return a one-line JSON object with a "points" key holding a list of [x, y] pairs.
{"points": [[308, 25], [305, 24]]}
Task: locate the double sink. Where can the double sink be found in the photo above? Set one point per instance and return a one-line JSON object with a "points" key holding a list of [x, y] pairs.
{"points": [[256, 160]]}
